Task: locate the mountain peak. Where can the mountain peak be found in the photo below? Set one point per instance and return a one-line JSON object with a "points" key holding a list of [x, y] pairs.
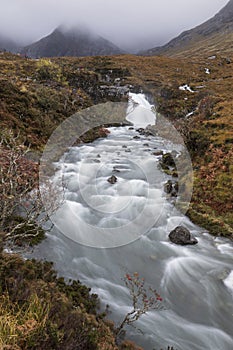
{"points": [[71, 41]]}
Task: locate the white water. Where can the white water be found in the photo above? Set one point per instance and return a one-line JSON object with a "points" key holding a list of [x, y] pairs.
{"points": [[195, 281]]}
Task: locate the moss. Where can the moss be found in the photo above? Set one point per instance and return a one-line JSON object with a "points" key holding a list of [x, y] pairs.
{"points": [[214, 225], [61, 316]]}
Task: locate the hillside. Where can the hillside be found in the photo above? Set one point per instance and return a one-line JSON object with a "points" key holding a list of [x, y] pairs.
{"points": [[72, 42], [37, 95], [215, 35]]}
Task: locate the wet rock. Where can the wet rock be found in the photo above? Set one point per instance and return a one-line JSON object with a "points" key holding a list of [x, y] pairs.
{"points": [[168, 187], [136, 137], [171, 187], [149, 132], [146, 132], [140, 131], [176, 186], [146, 145], [124, 146], [112, 180], [182, 236], [115, 170], [131, 128], [157, 153], [168, 160]]}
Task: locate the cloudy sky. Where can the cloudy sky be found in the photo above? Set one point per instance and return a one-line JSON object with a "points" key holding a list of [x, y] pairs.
{"points": [[131, 24]]}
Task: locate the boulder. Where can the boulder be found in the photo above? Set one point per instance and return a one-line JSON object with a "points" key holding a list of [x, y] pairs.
{"points": [[112, 180], [181, 235]]}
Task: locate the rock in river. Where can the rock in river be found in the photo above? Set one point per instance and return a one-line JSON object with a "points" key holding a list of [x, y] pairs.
{"points": [[181, 235], [112, 180]]}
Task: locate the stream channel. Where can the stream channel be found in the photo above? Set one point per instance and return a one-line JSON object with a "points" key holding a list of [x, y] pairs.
{"points": [[108, 230]]}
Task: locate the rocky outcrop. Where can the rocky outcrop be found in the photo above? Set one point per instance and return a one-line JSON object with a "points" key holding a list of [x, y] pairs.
{"points": [[182, 236]]}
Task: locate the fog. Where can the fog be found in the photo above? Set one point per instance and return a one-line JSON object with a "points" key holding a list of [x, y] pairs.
{"points": [[130, 24]]}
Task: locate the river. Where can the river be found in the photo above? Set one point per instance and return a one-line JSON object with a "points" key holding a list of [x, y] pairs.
{"points": [[113, 229]]}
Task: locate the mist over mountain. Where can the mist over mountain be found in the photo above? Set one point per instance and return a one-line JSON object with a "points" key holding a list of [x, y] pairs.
{"points": [[217, 30], [129, 24], [76, 41], [7, 44]]}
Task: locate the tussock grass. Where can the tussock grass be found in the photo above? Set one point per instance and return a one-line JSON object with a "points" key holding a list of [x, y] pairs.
{"points": [[22, 323]]}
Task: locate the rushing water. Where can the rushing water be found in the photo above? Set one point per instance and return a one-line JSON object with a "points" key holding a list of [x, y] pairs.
{"points": [[196, 282]]}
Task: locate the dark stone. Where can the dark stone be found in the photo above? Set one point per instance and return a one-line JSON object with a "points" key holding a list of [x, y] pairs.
{"points": [[124, 146], [176, 186], [140, 130], [168, 160], [112, 180], [181, 235], [171, 187], [168, 187], [136, 137], [115, 170], [131, 128], [146, 145], [158, 153]]}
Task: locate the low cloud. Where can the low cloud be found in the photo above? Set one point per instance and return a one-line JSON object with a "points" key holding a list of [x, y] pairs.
{"points": [[130, 24]]}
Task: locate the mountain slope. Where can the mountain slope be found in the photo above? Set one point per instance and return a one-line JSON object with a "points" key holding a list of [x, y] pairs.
{"points": [[8, 45], [75, 42], [216, 34]]}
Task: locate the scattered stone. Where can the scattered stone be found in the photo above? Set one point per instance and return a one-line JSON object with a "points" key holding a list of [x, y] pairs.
{"points": [[131, 128], [136, 137], [140, 130], [171, 187], [157, 153], [182, 236], [128, 150], [176, 186], [168, 160], [124, 146], [98, 156], [115, 170], [168, 187], [149, 132], [112, 180], [146, 145]]}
